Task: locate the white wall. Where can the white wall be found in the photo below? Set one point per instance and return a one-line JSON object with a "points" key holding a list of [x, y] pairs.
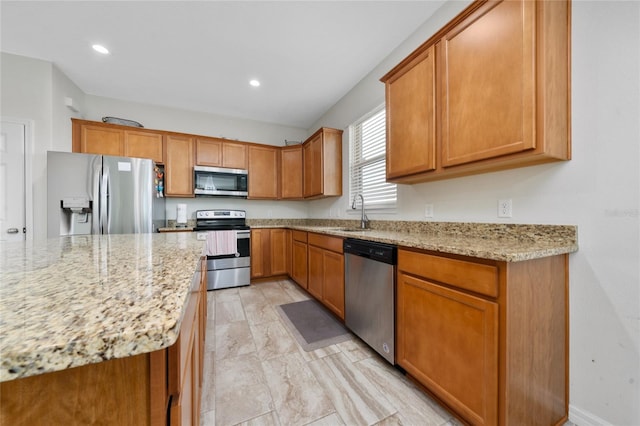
{"points": [[199, 123], [256, 209], [34, 90], [598, 190], [26, 95], [63, 88]]}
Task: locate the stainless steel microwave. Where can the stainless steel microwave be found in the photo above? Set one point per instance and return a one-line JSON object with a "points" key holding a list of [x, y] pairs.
{"points": [[218, 181]]}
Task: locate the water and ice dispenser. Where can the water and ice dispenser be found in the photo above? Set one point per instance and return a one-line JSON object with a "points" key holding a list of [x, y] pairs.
{"points": [[75, 216]]}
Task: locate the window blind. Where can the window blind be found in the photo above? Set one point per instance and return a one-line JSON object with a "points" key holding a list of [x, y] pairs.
{"points": [[367, 166]]}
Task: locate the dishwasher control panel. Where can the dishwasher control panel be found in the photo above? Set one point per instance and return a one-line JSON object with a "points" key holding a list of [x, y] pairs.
{"points": [[381, 252]]}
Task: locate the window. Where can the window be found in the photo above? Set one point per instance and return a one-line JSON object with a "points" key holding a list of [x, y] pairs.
{"points": [[367, 167]]}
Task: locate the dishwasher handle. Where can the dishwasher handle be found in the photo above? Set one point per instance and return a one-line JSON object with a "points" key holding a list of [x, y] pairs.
{"points": [[380, 252]]}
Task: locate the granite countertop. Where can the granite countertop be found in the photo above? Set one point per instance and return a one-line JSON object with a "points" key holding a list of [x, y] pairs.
{"points": [[71, 301], [494, 241], [176, 229]]}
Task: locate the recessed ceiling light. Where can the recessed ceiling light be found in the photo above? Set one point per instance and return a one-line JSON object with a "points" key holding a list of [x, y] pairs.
{"points": [[100, 49], [254, 83]]}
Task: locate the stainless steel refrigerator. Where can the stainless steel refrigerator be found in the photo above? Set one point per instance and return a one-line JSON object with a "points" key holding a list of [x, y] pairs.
{"points": [[99, 194]]}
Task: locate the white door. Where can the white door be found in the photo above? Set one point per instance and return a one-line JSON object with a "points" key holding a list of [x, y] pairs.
{"points": [[12, 191]]}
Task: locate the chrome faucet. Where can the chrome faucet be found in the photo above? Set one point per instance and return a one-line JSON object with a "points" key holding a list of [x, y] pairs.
{"points": [[364, 221]]}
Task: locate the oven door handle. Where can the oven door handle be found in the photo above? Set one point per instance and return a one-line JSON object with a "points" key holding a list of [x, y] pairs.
{"points": [[240, 235]]}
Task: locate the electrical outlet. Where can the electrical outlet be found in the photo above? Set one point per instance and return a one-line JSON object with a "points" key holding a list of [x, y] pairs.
{"points": [[428, 210], [505, 208]]}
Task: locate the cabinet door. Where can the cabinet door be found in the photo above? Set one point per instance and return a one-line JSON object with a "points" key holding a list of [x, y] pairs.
{"points": [[260, 253], [143, 145], [299, 263], [488, 83], [331, 171], [278, 251], [448, 340], [101, 140], [312, 154], [288, 236], [234, 155], [263, 172], [179, 166], [208, 152], [291, 172], [196, 368], [316, 272], [333, 282], [411, 123]]}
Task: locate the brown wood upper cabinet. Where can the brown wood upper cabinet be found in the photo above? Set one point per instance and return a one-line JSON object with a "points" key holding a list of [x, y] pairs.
{"points": [[263, 169], [98, 139], [322, 159], [179, 155], [291, 172], [215, 152], [411, 119], [93, 137], [143, 144], [501, 100]]}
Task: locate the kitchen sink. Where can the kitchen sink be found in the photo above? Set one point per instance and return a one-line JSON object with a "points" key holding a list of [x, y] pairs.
{"points": [[353, 229]]}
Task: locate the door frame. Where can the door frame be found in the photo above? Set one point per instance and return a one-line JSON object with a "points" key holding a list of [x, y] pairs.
{"points": [[29, 126]]}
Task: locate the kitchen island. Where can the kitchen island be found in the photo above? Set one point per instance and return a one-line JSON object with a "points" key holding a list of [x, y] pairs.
{"points": [[97, 305]]}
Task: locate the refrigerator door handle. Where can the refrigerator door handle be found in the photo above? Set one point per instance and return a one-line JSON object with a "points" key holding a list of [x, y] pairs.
{"points": [[104, 201], [96, 193]]}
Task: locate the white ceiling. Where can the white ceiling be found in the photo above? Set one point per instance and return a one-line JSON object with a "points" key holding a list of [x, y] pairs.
{"points": [[200, 55]]}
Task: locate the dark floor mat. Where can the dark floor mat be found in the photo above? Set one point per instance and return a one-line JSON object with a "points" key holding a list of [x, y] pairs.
{"points": [[311, 324]]}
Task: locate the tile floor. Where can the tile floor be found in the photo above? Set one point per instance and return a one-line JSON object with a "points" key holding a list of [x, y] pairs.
{"points": [[255, 372]]}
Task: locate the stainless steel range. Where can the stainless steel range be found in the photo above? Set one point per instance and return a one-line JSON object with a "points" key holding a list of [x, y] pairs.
{"points": [[228, 263]]}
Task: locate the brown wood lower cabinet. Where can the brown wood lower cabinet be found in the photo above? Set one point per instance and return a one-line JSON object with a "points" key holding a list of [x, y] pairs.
{"points": [[145, 389], [448, 340], [299, 258], [269, 249], [326, 271], [487, 338], [185, 360]]}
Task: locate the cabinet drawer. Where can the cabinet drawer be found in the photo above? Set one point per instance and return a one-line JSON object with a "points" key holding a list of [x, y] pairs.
{"points": [[476, 277], [326, 242], [299, 236]]}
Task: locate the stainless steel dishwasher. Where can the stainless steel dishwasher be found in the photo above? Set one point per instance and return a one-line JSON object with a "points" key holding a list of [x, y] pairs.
{"points": [[369, 281]]}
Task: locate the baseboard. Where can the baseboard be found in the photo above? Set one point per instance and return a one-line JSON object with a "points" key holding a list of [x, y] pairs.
{"points": [[581, 417]]}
